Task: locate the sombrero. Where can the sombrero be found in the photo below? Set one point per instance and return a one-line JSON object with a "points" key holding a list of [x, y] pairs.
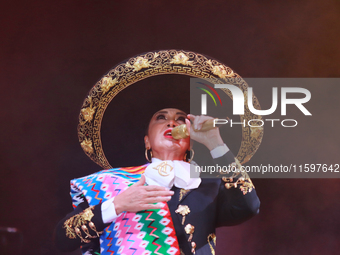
{"points": [[156, 63]]}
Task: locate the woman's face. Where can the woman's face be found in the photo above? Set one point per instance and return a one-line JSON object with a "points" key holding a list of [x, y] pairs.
{"points": [[159, 138]]}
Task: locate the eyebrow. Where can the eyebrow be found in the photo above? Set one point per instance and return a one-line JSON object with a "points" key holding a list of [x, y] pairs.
{"points": [[178, 113], [181, 113]]}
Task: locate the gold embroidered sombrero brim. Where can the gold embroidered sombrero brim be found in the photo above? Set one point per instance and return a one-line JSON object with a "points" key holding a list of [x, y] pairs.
{"points": [[151, 64]]}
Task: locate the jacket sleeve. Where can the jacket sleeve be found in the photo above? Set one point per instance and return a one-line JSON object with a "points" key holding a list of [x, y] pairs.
{"points": [[80, 228], [237, 199]]}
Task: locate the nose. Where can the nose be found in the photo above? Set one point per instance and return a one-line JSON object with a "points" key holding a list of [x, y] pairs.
{"points": [[172, 123]]}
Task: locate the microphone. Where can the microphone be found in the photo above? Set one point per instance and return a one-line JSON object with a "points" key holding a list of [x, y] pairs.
{"points": [[181, 131]]}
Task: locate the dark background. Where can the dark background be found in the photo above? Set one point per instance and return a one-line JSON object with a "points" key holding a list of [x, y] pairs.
{"points": [[53, 52]]}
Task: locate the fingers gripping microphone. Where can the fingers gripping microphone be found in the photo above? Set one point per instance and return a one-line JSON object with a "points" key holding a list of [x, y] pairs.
{"points": [[181, 131]]}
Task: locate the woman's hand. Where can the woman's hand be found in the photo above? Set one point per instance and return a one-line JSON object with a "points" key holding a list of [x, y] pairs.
{"points": [[139, 197], [211, 138]]}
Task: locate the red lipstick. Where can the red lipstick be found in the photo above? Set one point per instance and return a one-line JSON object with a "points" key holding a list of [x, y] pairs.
{"points": [[167, 133]]}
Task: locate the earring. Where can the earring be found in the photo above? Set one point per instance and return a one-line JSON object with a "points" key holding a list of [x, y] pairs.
{"points": [[192, 156], [146, 154]]}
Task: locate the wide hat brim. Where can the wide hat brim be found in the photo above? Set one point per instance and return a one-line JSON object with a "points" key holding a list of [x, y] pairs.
{"points": [[163, 94]]}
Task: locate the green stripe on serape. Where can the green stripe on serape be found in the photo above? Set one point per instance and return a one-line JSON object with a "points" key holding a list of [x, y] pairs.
{"points": [[149, 226]]}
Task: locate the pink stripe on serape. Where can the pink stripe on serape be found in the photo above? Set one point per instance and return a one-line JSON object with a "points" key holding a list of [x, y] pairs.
{"points": [[113, 186], [129, 228], [126, 223]]}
